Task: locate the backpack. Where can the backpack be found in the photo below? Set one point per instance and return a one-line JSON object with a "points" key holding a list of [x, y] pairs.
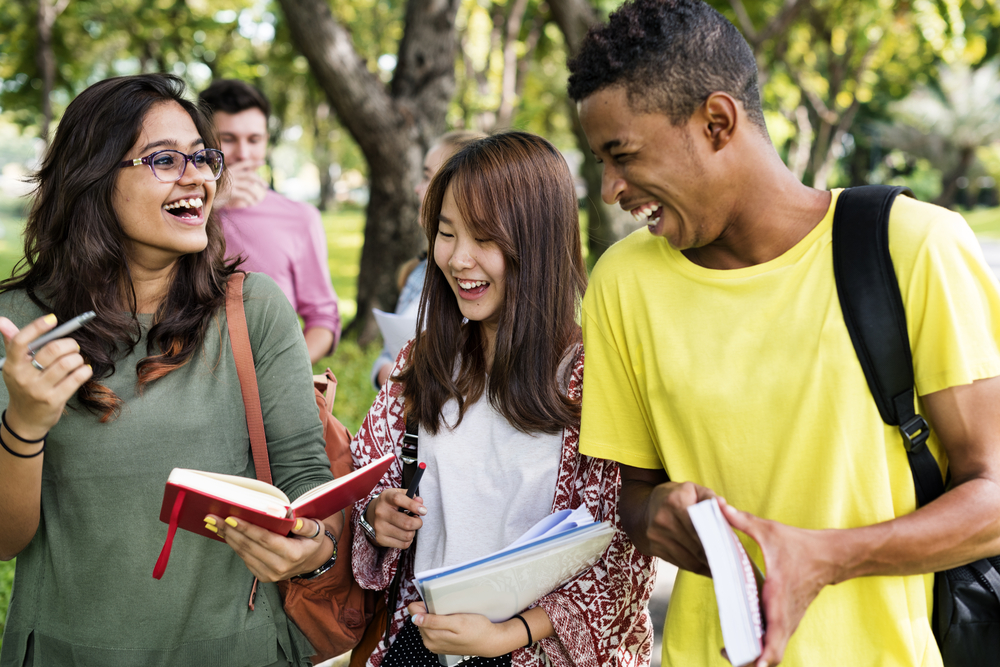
{"points": [[966, 616], [332, 610]]}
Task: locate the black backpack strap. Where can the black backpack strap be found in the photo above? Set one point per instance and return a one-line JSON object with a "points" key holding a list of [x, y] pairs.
{"points": [[409, 458], [876, 320]]}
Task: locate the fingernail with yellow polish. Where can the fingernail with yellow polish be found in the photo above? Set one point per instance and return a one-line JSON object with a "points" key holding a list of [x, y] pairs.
{"points": [[51, 319], [210, 527], [210, 521], [231, 521]]}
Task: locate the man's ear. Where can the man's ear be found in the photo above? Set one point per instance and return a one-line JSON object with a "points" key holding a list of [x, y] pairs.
{"points": [[720, 117]]}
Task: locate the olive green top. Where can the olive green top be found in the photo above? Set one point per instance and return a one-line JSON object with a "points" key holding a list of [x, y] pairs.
{"points": [[83, 590]]}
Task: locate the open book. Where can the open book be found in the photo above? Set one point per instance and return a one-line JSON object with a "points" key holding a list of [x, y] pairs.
{"points": [[507, 582], [737, 583], [258, 502]]}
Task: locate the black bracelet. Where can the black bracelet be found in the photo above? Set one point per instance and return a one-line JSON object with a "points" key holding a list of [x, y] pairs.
{"points": [[3, 418], [527, 629], [22, 456]]}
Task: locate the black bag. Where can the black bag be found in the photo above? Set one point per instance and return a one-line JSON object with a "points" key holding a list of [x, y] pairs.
{"points": [[966, 618]]}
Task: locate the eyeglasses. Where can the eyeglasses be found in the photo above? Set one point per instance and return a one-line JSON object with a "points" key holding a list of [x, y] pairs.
{"points": [[169, 165]]}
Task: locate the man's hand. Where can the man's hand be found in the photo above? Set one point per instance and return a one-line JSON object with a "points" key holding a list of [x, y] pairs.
{"points": [[799, 564], [246, 187], [655, 517]]}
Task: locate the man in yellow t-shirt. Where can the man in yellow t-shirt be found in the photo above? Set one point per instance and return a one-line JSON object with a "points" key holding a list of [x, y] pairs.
{"points": [[718, 361]]}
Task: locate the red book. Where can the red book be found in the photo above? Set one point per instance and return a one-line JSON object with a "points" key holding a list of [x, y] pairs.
{"points": [[191, 495]]}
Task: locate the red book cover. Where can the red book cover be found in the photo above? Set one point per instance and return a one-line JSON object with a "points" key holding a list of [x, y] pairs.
{"points": [[190, 495]]}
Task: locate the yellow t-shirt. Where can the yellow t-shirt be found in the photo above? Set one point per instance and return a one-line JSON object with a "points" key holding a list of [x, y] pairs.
{"points": [[746, 382]]}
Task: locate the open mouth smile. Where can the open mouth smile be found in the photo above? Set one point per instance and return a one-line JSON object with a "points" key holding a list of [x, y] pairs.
{"points": [[472, 289], [648, 213], [188, 210]]}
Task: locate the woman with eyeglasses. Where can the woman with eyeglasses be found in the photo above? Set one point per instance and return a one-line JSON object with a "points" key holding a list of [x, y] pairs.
{"points": [[122, 224]]}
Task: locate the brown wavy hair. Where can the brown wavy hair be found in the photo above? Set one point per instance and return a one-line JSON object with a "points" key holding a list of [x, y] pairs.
{"points": [[515, 190], [76, 252]]}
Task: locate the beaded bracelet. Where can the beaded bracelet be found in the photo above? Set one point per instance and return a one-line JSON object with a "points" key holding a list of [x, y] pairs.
{"points": [[521, 618]]}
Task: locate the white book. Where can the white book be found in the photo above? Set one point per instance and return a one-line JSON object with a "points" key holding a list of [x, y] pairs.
{"points": [[507, 582], [737, 583]]}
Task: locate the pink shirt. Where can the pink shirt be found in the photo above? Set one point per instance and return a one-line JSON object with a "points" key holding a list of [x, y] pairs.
{"points": [[285, 239]]}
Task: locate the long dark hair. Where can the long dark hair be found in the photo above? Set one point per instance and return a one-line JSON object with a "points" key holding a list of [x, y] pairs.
{"points": [[514, 189], [76, 252]]}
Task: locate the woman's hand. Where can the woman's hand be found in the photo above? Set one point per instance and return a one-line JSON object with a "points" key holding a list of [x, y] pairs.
{"points": [[273, 557], [38, 397], [394, 528], [470, 634]]}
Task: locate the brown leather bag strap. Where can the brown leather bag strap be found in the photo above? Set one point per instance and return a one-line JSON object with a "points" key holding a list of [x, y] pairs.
{"points": [[239, 338]]}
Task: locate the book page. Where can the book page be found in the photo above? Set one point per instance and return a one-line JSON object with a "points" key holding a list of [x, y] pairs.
{"points": [[733, 578], [553, 524], [500, 588], [244, 491], [501, 559], [396, 330]]}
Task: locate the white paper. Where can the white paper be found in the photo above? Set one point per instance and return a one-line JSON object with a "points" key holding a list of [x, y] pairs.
{"points": [[396, 330], [506, 582], [733, 577]]}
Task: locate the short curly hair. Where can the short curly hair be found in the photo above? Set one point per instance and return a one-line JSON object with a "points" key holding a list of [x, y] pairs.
{"points": [[669, 55]]}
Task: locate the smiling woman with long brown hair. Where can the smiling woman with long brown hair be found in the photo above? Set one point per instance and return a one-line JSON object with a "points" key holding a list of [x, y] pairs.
{"points": [[122, 224], [495, 382]]}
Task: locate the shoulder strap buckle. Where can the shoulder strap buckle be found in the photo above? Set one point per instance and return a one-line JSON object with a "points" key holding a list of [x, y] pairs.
{"points": [[915, 433], [409, 446]]}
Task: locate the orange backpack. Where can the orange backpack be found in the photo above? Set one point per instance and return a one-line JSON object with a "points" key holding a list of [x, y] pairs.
{"points": [[332, 610]]}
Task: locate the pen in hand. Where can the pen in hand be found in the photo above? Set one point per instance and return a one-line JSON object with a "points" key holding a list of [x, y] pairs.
{"points": [[414, 483], [60, 331]]}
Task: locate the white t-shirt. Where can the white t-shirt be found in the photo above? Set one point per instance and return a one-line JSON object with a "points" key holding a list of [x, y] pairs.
{"points": [[485, 484]]}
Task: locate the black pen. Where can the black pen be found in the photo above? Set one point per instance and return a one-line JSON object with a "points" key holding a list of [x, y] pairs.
{"points": [[415, 482], [60, 331]]}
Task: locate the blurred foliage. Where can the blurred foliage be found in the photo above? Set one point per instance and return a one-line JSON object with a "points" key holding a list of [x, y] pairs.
{"points": [[836, 65], [830, 69], [6, 583]]}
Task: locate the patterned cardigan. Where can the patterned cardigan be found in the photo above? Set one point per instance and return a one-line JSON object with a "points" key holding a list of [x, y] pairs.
{"points": [[600, 617]]}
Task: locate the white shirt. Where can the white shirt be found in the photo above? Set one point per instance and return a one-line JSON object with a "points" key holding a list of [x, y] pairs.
{"points": [[485, 484]]}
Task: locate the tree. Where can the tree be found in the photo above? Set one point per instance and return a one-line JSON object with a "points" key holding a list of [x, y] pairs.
{"points": [[605, 224], [822, 61], [947, 123], [393, 125]]}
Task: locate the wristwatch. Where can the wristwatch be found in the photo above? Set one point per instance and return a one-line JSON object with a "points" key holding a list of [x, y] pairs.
{"points": [[325, 566], [367, 527]]}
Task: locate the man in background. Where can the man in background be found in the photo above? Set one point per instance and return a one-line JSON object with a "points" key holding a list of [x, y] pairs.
{"points": [[277, 236]]}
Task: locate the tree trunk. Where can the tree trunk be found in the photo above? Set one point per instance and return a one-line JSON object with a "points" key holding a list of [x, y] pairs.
{"points": [[949, 180], [46, 60], [605, 224], [393, 128]]}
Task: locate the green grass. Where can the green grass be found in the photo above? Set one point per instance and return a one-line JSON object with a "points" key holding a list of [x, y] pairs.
{"points": [[984, 221]]}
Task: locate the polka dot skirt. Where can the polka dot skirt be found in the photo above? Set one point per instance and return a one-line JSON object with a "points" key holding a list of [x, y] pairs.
{"points": [[409, 651]]}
